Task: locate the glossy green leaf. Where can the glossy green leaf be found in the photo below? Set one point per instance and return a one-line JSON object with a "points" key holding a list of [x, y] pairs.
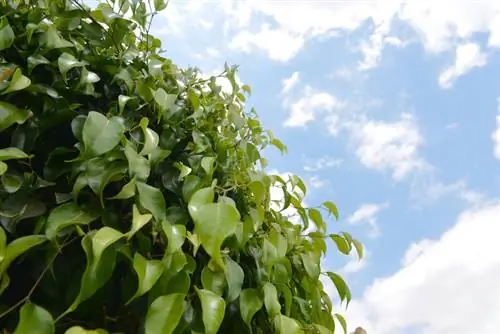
{"points": [[100, 134], [176, 234], [18, 247], [138, 166], [332, 208], [18, 82], [214, 222], [341, 286], [342, 321], [214, 281], [213, 309], [102, 239], [3, 244], [271, 300], [164, 314], [66, 215], [34, 319], [127, 191], [165, 101], [152, 200], [250, 303], [286, 325], [138, 221], [67, 61], [6, 34], [10, 114], [12, 153], [148, 272], [151, 138], [234, 278]]}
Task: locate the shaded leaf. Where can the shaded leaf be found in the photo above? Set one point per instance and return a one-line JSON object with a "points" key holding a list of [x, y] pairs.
{"points": [[250, 303], [152, 200], [34, 319], [341, 286], [10, 114], [12, 153], [271, 300], [234, 277]]}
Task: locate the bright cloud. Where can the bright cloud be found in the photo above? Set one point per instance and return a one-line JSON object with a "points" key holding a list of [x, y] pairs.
{"points": [[290, 82], [468, 56], [324, 162], [389, 146], [495, 136], [444, 284], [368, 214]]}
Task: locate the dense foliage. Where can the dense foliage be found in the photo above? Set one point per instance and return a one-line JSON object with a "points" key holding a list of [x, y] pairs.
{"points": [[133, 197]]}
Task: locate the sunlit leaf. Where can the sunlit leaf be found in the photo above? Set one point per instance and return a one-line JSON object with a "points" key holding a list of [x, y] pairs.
{"points": [[66, 215], [34, 319], [100, 134], [250, 303], [176, 234], [152, 200], [213, 308], [148, 272], [164, 314]]}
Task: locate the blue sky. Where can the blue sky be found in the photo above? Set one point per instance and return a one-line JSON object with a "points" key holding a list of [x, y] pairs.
{"points": [[392, 110]]}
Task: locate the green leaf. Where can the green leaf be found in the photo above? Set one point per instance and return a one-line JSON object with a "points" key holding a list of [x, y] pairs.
{"points": [[3, 244], [127, 191], [234, 277], [359, 248], [102, 239], [342, 245], [164, 314], [332, 208], [122, 102], [165, 101], [310, 265], [138, 221], [34, 319], [35, 60], [6, 34], [148, 272], [67, 61], [341, 286], [286, 325], [10, 114], [250, 303], [12, 153], [100, 134], [160, 5], [317, 219], [138, 166], [207, 163], [271, 300], [3, 168], [53, 40], [151, 138], [18, 247], [342, 321], [66, 215], [214, 222], [81, 330], [213, 308], [214, 281], [176, 234], [18, 82], [152, 200]]}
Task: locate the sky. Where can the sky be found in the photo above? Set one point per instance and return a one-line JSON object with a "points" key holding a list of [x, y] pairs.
{"points": [[391, 109]]}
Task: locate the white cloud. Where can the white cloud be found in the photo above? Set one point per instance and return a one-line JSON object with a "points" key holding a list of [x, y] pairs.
{"points": [[354, 265], [391, 146], [312, 102], [426, 189], [368, 214], [316, 182], [324, 162], [290, 82], [445, 283], [495, 136], [468, 56]]}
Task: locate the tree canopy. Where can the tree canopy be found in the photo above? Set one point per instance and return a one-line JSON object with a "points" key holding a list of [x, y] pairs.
{"points": [[134, 197]]}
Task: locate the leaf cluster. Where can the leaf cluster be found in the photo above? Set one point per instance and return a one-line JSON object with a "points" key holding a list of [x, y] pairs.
{"points": [[133, 197]]}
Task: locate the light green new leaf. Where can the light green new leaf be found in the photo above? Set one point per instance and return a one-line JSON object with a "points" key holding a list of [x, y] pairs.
{"points": [[271, 300], [148, 272], [214, 281], [213, 308], [194, 99], [176, 234], [250, 303], [164, 314], [342, 321], [214, 222], [359, 248], [138, 221], [317, 219], [160, 5], [10, 153], [207, 163], [122, 102], [332, 208], [18, 247], [342, 288], [165, 101], [100, 134], [102, 239], [6, 34], [200, 197], [10, 114], [151, 138], [342, 245], [53, 40], [18, 82], [34, 319], [67, 61], [65, 215], [310, 265], [152, 200], [234, 277], [286, 325], [3, 168]]}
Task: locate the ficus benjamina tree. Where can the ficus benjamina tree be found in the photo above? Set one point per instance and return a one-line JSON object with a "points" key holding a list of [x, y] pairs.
{"points": [[133, 193]]}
